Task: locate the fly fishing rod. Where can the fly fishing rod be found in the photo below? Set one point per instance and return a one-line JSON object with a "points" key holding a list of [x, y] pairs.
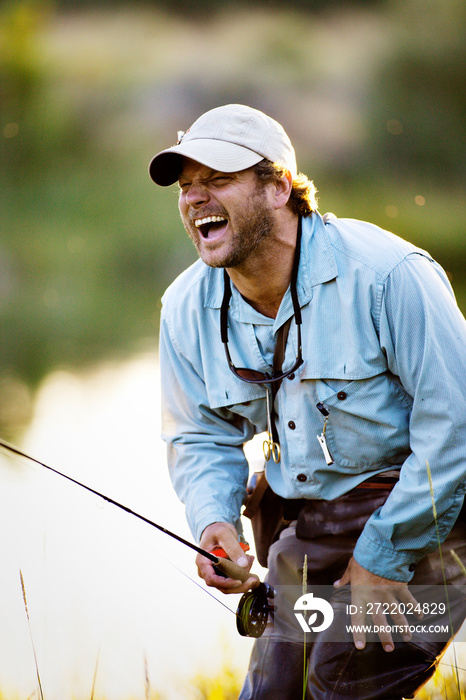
{"points": [[253, 608]]}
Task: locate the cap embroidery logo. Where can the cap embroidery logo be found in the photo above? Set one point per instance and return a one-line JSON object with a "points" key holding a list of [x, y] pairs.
{"points": [[181, 135]]}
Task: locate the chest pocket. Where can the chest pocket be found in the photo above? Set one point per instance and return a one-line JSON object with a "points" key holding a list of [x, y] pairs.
{"points": [[368, 424], [226, 392]]}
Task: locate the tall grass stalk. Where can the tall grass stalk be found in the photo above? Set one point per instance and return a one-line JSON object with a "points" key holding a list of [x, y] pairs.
{"points": [[23, 588], [458, 561], [305, 660], [146, 678], [94, 677], [434, 510]]}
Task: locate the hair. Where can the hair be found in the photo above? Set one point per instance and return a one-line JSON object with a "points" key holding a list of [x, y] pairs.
{"points": [[303, 200]]}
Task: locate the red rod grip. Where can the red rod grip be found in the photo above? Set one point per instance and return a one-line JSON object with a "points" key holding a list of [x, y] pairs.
{"points": [[219, 552]]}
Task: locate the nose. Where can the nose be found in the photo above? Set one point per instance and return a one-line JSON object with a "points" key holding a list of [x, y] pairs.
{"points": [[196, 195]]}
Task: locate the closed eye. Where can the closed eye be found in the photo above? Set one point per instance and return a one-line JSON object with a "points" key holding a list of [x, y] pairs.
{"points": [[216, 181], [221, 180]]}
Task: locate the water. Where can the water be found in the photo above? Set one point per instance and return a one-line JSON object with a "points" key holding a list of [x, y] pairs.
{"points": [[107, 594], [104, 590]]}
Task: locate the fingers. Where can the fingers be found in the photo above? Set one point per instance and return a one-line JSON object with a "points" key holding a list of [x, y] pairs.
{"points": [[225, 536], [226, 585], [378, 603], [404, 601], [382, 608], [411, 603], [346, 578]]}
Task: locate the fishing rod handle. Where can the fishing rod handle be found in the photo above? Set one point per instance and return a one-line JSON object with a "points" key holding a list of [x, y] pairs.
{"points": [[233, 570]]}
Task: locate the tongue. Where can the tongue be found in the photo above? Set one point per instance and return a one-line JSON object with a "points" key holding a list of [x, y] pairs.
{"points": [[211, 230]]}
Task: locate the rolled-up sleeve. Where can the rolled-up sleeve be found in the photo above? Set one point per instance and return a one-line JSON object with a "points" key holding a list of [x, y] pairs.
{"points": [[423, 335], [206, 460]]}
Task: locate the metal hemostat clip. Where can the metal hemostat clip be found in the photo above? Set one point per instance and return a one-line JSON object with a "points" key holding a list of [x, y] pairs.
{"points": [[270, 447]]}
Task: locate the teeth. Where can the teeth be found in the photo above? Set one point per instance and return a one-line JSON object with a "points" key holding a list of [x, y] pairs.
{"points": [[208, 220]]}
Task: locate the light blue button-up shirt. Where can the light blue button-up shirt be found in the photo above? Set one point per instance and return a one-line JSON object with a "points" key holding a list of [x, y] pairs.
{"points": [[384, 348]]}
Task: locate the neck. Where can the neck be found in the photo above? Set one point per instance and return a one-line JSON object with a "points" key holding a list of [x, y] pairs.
{"points": [[264, 278]]}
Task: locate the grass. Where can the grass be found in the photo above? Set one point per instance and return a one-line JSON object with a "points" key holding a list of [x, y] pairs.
{"points": [[443, 686], [224, 685], [456, 686], [448, 682], [23, 588], [305, 660], [227, 682]]}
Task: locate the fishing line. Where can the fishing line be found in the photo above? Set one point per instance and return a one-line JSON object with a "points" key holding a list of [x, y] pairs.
{"points": [[254, 606], [20, 453], [204, 590]]}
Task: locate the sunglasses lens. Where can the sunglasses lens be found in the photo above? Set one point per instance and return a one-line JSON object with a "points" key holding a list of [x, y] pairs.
{"points": [[251, 375]]}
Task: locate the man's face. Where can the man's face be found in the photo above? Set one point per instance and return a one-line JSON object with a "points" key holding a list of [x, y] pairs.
{"points": [[227, 215]]}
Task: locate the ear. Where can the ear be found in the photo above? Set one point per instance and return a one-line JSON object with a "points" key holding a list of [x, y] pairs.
{"points": [[282, 190]]}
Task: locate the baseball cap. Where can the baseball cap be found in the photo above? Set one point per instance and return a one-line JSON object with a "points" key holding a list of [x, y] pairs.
{"points": [[228, 139]]}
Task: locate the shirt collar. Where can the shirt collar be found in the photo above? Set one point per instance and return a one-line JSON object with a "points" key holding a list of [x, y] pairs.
{"points": [[316, 265]]}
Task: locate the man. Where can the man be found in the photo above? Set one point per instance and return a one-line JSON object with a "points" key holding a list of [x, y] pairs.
{"points": [[365, 410]]}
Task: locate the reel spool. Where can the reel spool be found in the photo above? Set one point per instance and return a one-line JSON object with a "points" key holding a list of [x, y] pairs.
{"points": [[253, 611], [254, 607]]}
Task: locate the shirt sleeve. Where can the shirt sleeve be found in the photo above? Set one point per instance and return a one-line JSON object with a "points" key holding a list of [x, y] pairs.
{"points": [[423, 335], [205, 454]]}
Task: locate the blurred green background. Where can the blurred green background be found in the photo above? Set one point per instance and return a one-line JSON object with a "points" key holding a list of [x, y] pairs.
{"points": [[371, 93]]}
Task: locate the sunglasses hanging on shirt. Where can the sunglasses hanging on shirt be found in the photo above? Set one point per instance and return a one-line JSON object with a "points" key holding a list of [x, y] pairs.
{"points": [[272, 380]]}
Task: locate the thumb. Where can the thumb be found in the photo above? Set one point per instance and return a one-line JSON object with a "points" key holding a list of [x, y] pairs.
{"points": [[242, 561], [346, 578]]}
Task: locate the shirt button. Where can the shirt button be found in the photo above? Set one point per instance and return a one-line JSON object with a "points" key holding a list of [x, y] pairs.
{"points": [[291, 425], [302, 477], [341, 395], [411, 567], [291, 376]]}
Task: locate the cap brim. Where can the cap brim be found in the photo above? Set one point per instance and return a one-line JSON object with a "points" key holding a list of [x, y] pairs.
{"points": [[223, 156]]}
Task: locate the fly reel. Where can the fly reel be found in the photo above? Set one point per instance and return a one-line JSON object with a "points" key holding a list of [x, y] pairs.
{"points": [[253, 611]]}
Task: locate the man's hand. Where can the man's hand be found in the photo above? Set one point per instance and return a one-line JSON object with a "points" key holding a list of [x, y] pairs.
{"points": [[225, 536], [377, 596]]}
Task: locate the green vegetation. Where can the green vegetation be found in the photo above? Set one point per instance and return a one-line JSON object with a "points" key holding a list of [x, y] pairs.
{"points": [[442, 687], [226, 685], [371, 94]]}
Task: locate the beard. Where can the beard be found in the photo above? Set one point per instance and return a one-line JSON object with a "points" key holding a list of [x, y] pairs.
{"points": [[250, 226]]}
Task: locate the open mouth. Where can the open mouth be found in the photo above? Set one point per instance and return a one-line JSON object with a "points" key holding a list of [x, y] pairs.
{"points": [[210, 226]]}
